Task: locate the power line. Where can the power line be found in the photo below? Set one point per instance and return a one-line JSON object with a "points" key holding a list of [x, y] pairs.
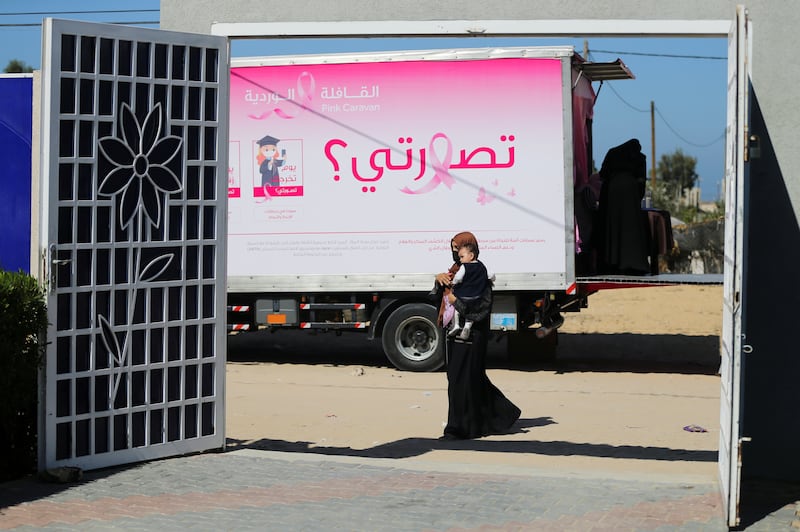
{"points": [[85, 12], [611, 86], [77, 12], [123, 22], [658, 111], [649, 54], [669, 126], [696, 145], [666, 122]]}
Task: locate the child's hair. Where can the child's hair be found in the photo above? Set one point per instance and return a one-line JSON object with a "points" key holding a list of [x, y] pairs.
{"points": [[469, 246]]}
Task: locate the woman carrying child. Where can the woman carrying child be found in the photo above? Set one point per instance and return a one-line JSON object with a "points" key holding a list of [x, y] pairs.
{"points": [[476, 407]]}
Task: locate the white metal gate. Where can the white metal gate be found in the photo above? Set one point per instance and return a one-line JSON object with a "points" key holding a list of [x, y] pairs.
{"points": [[133, 217], [730, 439]]}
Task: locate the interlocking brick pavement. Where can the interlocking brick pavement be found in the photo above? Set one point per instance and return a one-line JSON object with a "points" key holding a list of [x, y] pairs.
{"points": [[258, 490]]}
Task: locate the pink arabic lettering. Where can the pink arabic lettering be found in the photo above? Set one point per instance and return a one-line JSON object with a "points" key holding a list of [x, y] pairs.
{"points": [[409, 162], [387, 156], [379, 169], [380, 160], [305, 90], [466, 160]]}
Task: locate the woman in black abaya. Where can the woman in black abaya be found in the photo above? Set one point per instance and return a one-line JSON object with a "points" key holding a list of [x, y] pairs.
{"points": [[475, 406], [622, 233]]}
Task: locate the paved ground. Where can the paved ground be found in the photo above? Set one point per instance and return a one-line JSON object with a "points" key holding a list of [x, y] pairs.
{"points": [[601, 445], [266, 490]]}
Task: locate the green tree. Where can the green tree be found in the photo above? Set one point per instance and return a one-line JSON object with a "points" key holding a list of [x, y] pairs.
{"points": [[677, 171], [15, 66], [675, 175]]}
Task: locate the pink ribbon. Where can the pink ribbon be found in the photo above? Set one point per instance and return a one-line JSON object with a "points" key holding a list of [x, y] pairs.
{"points": [[441, 169]]}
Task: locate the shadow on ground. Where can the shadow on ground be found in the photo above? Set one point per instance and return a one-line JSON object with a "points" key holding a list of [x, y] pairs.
{"points": [[410, 447], [638, 353], [762, 497], [35, 487]]}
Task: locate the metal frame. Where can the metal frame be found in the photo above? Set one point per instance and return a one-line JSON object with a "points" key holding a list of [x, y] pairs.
{"points": [[474, 28], [543, 28], [135, 367], [732, 338]]}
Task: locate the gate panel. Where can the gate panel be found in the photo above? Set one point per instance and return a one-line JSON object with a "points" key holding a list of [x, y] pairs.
{"points": [[134, 186], [730, 440]]}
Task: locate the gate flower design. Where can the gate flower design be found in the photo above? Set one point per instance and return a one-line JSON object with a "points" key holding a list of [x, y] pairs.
{"points": [[141, 172], [141, 177]]}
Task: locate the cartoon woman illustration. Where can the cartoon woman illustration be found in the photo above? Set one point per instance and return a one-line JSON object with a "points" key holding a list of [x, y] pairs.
{"points": [[269, 160]]}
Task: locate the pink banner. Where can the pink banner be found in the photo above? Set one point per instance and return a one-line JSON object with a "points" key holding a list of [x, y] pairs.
{"points": [[397, 148]]}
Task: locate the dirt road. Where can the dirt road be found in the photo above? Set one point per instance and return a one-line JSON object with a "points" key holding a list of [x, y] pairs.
{"points": [[632, 371]]}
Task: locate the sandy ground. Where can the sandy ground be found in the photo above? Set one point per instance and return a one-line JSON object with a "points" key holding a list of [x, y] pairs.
{"points": [[632, 371]]}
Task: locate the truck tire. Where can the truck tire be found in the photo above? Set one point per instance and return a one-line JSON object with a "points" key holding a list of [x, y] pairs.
{"points": [[411, 339]]}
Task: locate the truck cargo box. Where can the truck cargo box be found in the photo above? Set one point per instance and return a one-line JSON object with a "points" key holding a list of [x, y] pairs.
{"points": [[378, 159]]}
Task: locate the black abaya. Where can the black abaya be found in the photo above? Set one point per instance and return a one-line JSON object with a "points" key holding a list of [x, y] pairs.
{"points": [[476, 407], [622, 236]]}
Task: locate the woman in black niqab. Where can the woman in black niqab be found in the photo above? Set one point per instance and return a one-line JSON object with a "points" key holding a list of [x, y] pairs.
{"points": [[476, 407]]}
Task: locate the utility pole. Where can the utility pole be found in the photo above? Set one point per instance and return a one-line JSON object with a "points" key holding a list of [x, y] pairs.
{"points": [[586, 49], [653, 145]]}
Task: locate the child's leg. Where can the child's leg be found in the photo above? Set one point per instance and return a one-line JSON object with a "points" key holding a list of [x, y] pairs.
{"points": [[466, 330], [448, 313], [454, 326]]}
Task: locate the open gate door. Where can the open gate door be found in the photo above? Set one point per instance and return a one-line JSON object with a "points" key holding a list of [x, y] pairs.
{"points": [[732, 345], [133, 217]]}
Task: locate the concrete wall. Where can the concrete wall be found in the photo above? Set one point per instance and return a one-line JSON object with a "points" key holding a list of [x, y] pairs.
{"points": [[771, 297]]}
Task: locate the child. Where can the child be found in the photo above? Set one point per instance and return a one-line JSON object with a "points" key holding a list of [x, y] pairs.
{"points": [[469, 282]]}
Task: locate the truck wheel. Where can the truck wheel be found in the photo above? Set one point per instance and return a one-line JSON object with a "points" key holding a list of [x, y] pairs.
{"points": [[411, 339]]}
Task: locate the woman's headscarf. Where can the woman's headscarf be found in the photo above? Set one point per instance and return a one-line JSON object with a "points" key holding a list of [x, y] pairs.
{"points": [[626, 157], [462, 239]]}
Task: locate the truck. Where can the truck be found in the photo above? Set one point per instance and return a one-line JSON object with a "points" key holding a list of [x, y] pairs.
{"points": [[350, 173]]}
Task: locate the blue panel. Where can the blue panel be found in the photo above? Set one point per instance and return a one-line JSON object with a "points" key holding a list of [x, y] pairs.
{"points": [[16, 95]]}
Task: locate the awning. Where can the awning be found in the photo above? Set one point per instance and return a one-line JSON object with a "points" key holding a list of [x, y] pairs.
{"points": [[604, 71]]}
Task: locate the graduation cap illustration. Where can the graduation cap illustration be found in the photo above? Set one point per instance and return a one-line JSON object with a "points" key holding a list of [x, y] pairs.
{"points": [[268, 141]]}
